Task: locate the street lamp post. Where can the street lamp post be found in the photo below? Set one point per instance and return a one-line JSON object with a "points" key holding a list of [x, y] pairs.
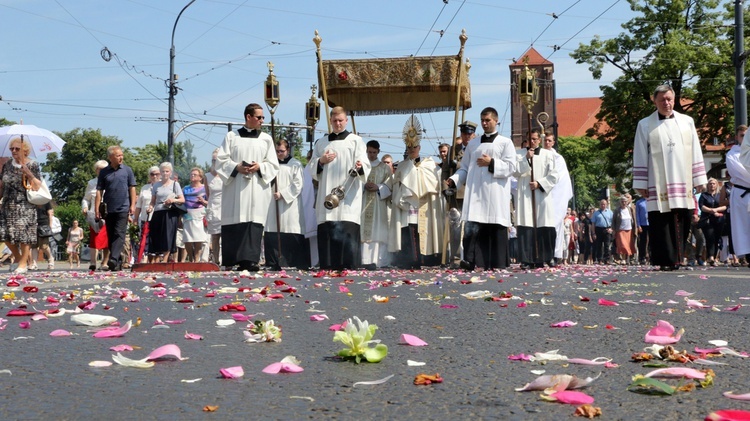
{"points": [[172, 91], [312, 114]]}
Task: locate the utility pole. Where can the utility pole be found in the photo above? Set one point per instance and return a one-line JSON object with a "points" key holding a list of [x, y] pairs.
{"points": [[172, 92], [740, 92]]}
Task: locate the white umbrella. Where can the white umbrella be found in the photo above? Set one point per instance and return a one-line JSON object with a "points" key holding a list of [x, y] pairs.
{"points": [[42, 141]]}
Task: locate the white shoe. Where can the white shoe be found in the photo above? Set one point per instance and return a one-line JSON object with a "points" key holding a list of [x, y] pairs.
{"points": [[51, 266], [33, 267], [19, 271]]}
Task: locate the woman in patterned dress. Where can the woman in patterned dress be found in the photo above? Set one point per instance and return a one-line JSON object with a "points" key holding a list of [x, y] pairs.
{"points": [[75, 236], [18, 223]]}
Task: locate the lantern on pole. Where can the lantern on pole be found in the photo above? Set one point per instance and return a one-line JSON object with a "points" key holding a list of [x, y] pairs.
{"points": [[528, 90], [271, 96], [312, 114]]}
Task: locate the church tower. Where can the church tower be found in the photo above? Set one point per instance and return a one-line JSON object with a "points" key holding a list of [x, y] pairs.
{"points": [[543, 70]]}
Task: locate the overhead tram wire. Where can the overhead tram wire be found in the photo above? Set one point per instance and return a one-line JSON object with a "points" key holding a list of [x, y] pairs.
{"points": [[447, 26], [431, 27], [557, 47], [554, 19]]}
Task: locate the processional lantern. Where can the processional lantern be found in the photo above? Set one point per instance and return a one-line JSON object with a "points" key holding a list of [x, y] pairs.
{"points": [[528, 90], [272, 89], [312, 108]]}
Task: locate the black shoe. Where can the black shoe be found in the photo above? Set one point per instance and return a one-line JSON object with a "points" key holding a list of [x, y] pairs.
{"points": [[92, 268], [552, 263], [112, 266], [369, 266], [463, 264]]}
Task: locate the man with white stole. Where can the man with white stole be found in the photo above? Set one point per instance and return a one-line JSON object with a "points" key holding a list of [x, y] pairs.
{"points": [[738, 166], [416, 209], [289, 231], [667, 165], [247, 164], [334, 158], [374, 227], [560, 196], [486, 168], [536, 238]]}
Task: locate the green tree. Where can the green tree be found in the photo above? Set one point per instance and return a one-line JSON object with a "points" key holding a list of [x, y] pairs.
{"points": [[682, 42], [587, 172], [70, 170]]}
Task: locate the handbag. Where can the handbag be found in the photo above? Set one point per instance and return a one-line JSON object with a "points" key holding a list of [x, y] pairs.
{"points": [[102, 210], [178, 207], [37, 197], [43, 231]]}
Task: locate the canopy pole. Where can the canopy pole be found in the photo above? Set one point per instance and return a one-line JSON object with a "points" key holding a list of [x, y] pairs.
{"points": [[322, 77]]}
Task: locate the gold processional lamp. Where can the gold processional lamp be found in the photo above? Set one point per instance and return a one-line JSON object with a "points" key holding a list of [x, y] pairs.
{"points": [[271, 96], [312, 114], [528, 93]]}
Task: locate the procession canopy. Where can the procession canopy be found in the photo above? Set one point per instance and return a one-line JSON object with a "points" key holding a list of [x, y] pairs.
{"points": [[397, 85]]}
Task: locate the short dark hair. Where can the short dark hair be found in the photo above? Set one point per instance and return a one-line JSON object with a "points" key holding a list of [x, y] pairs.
{"points": [[489, 110], [250, 109], [740, 128], [443, 145], [373, 144]]}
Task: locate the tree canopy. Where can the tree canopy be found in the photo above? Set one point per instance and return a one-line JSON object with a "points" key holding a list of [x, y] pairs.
{"points": [[684, 43]]}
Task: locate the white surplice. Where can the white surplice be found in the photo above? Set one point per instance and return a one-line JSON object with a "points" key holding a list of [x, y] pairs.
{"points": [[246, 199], [290, 181], [546, 174], [739, 207]]}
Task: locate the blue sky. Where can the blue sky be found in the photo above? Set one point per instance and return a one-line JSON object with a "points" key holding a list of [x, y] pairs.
{"points": [[52, 73]]}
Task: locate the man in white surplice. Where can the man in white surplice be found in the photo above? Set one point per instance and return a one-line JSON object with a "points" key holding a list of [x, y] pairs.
{"points": [[560, 196], [289, 232], [536, 238], [739, 200], [335, 157], [374, 227], [486, 168], [247, 164], [667, 166]]}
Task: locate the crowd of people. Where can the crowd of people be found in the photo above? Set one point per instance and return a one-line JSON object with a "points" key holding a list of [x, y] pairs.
{"points": [[484, 205]]}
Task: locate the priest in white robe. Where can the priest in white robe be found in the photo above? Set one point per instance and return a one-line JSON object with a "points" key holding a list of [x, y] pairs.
{"points": [[667, 166], [247, 164], [374, 226], [486, 169], [560, 196], [340, 162], [416, 230], [738, 166], [535, 211], [285, 243]]}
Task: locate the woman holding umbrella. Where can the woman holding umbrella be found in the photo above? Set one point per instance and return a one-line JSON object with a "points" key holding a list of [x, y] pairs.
{"points": [[18, 223]]}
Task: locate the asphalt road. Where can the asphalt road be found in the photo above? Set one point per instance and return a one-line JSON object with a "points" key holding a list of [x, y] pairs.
{"points": [[469, 342]]}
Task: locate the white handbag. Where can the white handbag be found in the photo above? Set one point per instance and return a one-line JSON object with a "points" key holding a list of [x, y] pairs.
{"points": [[37, 197]]}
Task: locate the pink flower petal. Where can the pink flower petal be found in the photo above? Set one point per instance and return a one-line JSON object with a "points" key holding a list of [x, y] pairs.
{"points": [[678, 372], [603, 302], [318, 317], [572, 397], [241, 317], [566, 323], [121, 348], [733, 308], [175, 322], [232, 372], [276, 368], [338, 326], [520, 357], [343, 288], [38, 316], [60, 332], [19, 312], [521, 304], [695, 304], [193, 336], [24, 325], [683, 293], [743, 397], [583, 361], [164, 351], [412, 340], [663, 334], [114, 332], [448, 306]]}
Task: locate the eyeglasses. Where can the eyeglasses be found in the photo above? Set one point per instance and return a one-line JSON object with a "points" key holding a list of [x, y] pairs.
{"points": [[155, 174], [260, 117], [14, 149]]}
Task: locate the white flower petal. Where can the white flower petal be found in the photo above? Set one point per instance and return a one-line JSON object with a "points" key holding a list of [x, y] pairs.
{"points": [[88, 319], [411, 363], [127, 362]]}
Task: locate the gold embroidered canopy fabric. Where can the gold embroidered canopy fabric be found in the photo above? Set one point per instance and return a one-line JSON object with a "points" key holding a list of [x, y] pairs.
{"points": [[396, 85]]}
